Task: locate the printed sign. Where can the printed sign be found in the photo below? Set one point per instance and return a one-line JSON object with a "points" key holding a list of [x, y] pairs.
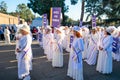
{"points": [[55, 17], [114, 45], [44, 20], [93, 21], [71, 40]]}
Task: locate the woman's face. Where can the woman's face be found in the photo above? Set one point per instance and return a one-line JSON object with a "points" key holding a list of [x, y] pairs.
{"points": [[105, 33], [93, 31], [74, 33], [58, 32], [23, 32]]}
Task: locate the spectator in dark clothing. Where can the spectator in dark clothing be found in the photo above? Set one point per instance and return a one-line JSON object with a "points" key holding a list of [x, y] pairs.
{"points": [[1, 34], [34, 32], [12, 33]]}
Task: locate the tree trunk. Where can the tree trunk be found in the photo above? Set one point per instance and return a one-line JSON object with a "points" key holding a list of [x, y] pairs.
{"points": [[63, 17], [82, 11]]}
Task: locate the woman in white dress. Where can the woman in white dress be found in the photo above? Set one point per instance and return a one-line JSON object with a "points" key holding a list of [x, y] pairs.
{"points": [[57, 60], [104, 64], [75, 67], [92, 48], [24, 54], [48, 44], [116, 45], [85, 34], [70, 64], [69, 40], [7, 35], [40, 36]]}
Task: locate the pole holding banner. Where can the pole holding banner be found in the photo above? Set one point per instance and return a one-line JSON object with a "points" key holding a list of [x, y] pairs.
{"points": [[55, 14]]}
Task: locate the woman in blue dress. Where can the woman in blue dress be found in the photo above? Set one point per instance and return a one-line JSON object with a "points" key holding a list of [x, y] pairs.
{"points": [[75, 67]]}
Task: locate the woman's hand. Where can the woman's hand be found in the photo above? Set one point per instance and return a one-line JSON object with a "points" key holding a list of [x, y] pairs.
{"points": [[17, 38], [18, 50], [75, 58], [100, 48]]}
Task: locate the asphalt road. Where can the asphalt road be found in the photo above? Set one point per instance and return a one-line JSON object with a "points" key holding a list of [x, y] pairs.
{"points": [[42, 68]]}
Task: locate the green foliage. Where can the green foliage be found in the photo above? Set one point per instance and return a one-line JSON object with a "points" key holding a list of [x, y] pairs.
{"points": [[73, 2], [94, 7], [112, 9], [43, 6], [24, 12], [3, 7]]}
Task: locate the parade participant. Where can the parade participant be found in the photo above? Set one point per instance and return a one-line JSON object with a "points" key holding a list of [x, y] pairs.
{"points": [[40, 36], [70, 64], [24, 53], [92, 48], [75, 67], [66, 35], [18, 36], [48, 44], [104, 64], [7, 35], [100, 34], [70, 38], [116, 45], [57, 60], [43, 37], [85, 35]]}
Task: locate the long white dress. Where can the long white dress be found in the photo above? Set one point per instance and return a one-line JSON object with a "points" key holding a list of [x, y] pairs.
{"points": [[43, 37], [75, 67], [25, 56], [104, 64], [92, 50], [48, 48], [57, 60], [85, 35], [18, 35], [7, 36], [40, 38], [69, 41]]}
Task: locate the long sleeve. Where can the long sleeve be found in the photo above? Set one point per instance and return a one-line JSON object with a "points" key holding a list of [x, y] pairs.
{"points": [[28, 45], [108, 43], [81, 44]]}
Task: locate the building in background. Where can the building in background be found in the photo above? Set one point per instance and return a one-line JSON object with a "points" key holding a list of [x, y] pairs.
{"points": [[8, 19]]}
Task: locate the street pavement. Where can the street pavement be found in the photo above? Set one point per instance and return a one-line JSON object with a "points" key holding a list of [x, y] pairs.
{"points": [[42, 68]]}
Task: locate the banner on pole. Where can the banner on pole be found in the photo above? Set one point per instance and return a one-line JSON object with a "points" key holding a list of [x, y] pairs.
{"points": [[55, 14], [44, 21], [80, 24], [93, 21], [71, 40]]}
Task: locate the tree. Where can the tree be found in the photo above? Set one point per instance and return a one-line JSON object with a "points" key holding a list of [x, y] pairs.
{"points": [[24, 12], [73, 2], [43, 6], [112, 10], [3, 7], [94, 7], [13, 14]]}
